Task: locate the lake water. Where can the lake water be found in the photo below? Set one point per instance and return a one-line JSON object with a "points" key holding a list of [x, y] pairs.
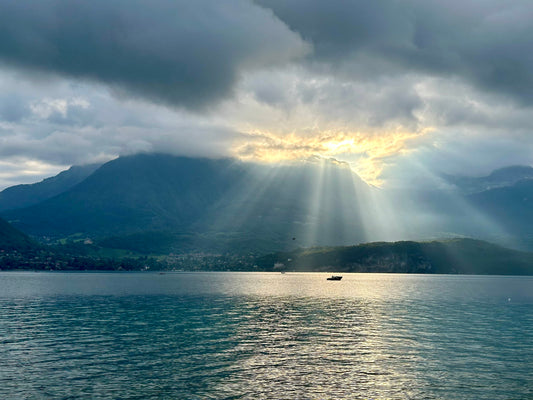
{"points": [[265, 336]]}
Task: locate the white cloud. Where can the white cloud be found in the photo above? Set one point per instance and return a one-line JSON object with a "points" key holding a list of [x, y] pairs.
{"points": [[46, 107]]}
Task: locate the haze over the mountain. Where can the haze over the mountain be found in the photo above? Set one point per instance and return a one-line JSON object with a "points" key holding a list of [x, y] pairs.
{"points": [[502, 177], [162, 203], [203, 203], [511, 207]]}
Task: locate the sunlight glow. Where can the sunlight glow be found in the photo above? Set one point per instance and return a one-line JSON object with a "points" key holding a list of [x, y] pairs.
{"points": [[369, 150]]}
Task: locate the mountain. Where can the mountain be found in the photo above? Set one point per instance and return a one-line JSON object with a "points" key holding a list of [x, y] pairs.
{"points": [[13, 239], [21, 196], [462, 256], [497, 208], [131, 194], [168, 203], [161, 204], [503, 177], [510, 207]]}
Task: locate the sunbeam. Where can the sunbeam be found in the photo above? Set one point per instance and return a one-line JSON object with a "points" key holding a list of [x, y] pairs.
{"points": [[435, 210], [302, 203]]}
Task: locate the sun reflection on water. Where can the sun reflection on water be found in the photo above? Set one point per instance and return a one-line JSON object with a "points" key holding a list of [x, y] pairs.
{"points": [[265, 336]]}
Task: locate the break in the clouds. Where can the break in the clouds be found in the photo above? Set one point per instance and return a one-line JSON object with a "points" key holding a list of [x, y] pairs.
{"points": [[388, 86]]}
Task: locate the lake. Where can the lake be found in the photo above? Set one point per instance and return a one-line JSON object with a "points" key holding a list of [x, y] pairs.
{"points": [[265, 336]]}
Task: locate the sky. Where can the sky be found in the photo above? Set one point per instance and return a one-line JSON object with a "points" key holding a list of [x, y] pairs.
{"points": [[402, 90]]}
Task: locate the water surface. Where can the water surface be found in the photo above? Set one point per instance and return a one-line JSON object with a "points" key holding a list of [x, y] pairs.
{"points": [[265, 336]]}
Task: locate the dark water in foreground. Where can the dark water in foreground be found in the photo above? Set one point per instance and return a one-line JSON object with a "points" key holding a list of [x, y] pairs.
{"points": [[265, 336]]}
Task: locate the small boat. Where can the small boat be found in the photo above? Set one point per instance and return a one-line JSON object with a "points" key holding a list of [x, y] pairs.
{"points": [[334, 278]]}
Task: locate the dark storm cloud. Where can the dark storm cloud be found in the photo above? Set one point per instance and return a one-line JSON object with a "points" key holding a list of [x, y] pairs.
{"points": [[487, 43], [179, 52]]}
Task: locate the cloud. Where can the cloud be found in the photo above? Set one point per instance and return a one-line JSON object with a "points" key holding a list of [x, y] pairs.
{"points": [[365, 152], [21, 170], [12, 107], [486, 43], [177, 52], [68, 123], [391, 87], [59, 109], [295, 99]]}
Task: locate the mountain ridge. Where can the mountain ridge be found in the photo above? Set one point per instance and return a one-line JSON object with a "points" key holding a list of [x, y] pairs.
{"points": [[204, 204], [25, 195], [158, 203], [502, 177], [451, 256]]}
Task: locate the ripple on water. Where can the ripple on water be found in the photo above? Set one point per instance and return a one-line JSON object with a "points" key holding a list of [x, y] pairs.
{"points": [[258, 344]]}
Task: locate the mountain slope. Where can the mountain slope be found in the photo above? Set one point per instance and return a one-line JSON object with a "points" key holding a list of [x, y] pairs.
{"points": [[130, 194], [499, 178], [21, 196], [464, 256], [13, 239], [511, 207], [155, 203], [202, 204]]}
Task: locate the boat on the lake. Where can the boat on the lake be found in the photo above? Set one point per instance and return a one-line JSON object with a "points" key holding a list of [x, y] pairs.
{"points": [[334, 278]]}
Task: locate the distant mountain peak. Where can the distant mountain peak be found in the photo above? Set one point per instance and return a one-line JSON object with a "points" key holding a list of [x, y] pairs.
{"points": [[502, 177], [513, 172]]}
